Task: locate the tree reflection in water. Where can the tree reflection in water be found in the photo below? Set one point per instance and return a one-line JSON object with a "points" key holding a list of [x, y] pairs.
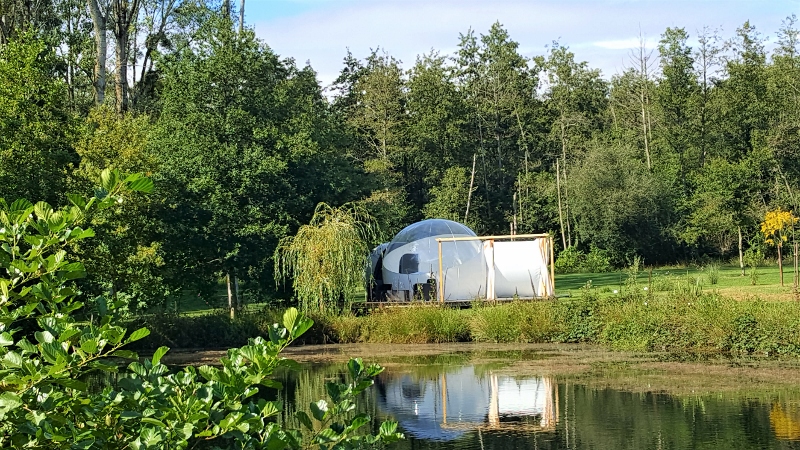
{"points": [[471, 407]]}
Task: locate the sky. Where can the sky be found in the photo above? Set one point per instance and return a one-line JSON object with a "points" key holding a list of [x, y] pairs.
{"points": [[601, 32]]}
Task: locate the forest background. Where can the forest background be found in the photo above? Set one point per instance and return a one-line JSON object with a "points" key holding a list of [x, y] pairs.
{"points": [[677, 158]]}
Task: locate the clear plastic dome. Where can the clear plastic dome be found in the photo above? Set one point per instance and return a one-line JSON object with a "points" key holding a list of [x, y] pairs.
{"points": [[415, 250], [431, 227]]}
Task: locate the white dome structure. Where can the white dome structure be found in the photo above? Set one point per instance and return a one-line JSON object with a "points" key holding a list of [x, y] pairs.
{"points": [[409, 267]]}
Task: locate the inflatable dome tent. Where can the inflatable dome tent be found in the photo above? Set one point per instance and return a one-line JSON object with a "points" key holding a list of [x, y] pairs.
{"points": [[408, 267]]}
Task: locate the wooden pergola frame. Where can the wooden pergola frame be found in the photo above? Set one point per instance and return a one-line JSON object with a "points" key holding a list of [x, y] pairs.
{"points": [[440, 281]]}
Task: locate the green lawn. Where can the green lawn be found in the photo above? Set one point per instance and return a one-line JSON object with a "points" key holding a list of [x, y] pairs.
{"points": [[730, 282]]}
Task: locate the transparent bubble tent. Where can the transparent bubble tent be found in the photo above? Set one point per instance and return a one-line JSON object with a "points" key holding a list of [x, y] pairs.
{"points": [[444, 260]]}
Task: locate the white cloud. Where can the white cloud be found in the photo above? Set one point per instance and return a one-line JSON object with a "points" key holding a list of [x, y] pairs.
{"points": [[626, 44], [599, 31]]}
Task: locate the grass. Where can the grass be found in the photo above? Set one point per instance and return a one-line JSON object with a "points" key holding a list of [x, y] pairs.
{"points": [[730, 283]]}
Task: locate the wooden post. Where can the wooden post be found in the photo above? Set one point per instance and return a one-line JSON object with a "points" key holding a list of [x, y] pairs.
{"points": [[552, 267], [780, 261], [440, 283]]}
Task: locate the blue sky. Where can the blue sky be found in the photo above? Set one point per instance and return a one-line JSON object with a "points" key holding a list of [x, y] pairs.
{"points": [[601, 32]]}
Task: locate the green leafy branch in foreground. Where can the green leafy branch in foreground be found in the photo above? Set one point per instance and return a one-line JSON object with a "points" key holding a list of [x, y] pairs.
{"points": [[48, 347]]}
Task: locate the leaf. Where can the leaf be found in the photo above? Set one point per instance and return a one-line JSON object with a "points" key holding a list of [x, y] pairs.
{"points": [[355, 366], [141, 333], [289, 318], [270, 409], [72, 384], [9, 401], [77, 200], [153, 421], [108, 179], [160, 352], [319, 409], [301, 326], [6, 339], [327, 435], [89, 346], [127, 354], [304, 419], [144, 185]]}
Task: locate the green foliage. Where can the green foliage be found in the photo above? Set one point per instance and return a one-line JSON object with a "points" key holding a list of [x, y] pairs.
{"points": [[572, 260], [569, 260], [47, 349], [326, 258], [36, 124], [712, 271]]}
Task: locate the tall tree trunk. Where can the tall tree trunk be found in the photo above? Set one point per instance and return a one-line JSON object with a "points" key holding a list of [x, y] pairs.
{"points": [[471, 183], [226, 8], [124, 13], [241, 16], [741, 255], [101, 48], [566, 207], [232, 294], [560, 213], [121, 85]]}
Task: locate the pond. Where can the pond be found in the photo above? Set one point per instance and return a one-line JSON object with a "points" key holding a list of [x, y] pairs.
{"points": [[495, 397]]}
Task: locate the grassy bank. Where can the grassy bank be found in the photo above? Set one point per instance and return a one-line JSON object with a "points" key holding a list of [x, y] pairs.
{"points": [[688, 321]]}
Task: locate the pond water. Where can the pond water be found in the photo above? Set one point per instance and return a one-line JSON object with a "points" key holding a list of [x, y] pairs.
{"points": [[453, 401]]}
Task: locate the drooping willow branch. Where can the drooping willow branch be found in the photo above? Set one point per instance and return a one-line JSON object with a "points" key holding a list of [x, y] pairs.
{"points": [[326, 258]]}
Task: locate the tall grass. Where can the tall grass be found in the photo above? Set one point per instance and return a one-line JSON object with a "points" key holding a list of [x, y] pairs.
{"points": [[683, 320]]}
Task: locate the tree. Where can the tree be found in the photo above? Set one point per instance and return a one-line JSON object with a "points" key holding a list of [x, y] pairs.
{"points": [[776, 229], [576, 96], [620, 205], [449, 198], [676, 94], [36, 123], [126, 260], [499, 88], [245, 151], [325, 259]]}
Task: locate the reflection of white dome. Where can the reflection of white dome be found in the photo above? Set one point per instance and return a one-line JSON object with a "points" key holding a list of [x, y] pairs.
{"points": [[415, 250]]}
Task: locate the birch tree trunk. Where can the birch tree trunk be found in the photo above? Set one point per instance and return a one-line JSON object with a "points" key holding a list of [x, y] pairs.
{"points": [[241, 16], [101, 48], [560, 213], [471, 183]]}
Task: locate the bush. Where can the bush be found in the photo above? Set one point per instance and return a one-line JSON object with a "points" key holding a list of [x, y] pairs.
{"points": [[572, 260], [569, 260], [44, 402], [596, 261]]}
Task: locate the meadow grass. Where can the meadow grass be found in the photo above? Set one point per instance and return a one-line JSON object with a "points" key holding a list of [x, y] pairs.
{"points": [[667, 309]]}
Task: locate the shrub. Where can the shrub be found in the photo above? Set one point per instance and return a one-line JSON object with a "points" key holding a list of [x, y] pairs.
{"points": [[596, 261], [45, 404], [569, 260]]}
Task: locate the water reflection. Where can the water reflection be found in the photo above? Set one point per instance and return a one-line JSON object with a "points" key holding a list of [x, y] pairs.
{"points": [[464, 406], [447, 406]]}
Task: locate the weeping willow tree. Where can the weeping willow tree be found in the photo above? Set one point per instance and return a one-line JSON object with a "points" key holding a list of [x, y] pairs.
{"points": [[326, 258]]}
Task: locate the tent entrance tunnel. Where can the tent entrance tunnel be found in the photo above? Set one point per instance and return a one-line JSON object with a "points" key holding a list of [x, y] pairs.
{"points": [[442, 260]]}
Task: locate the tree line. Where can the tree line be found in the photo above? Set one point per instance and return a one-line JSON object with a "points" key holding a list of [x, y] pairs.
{"points": [[677, 157]]}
